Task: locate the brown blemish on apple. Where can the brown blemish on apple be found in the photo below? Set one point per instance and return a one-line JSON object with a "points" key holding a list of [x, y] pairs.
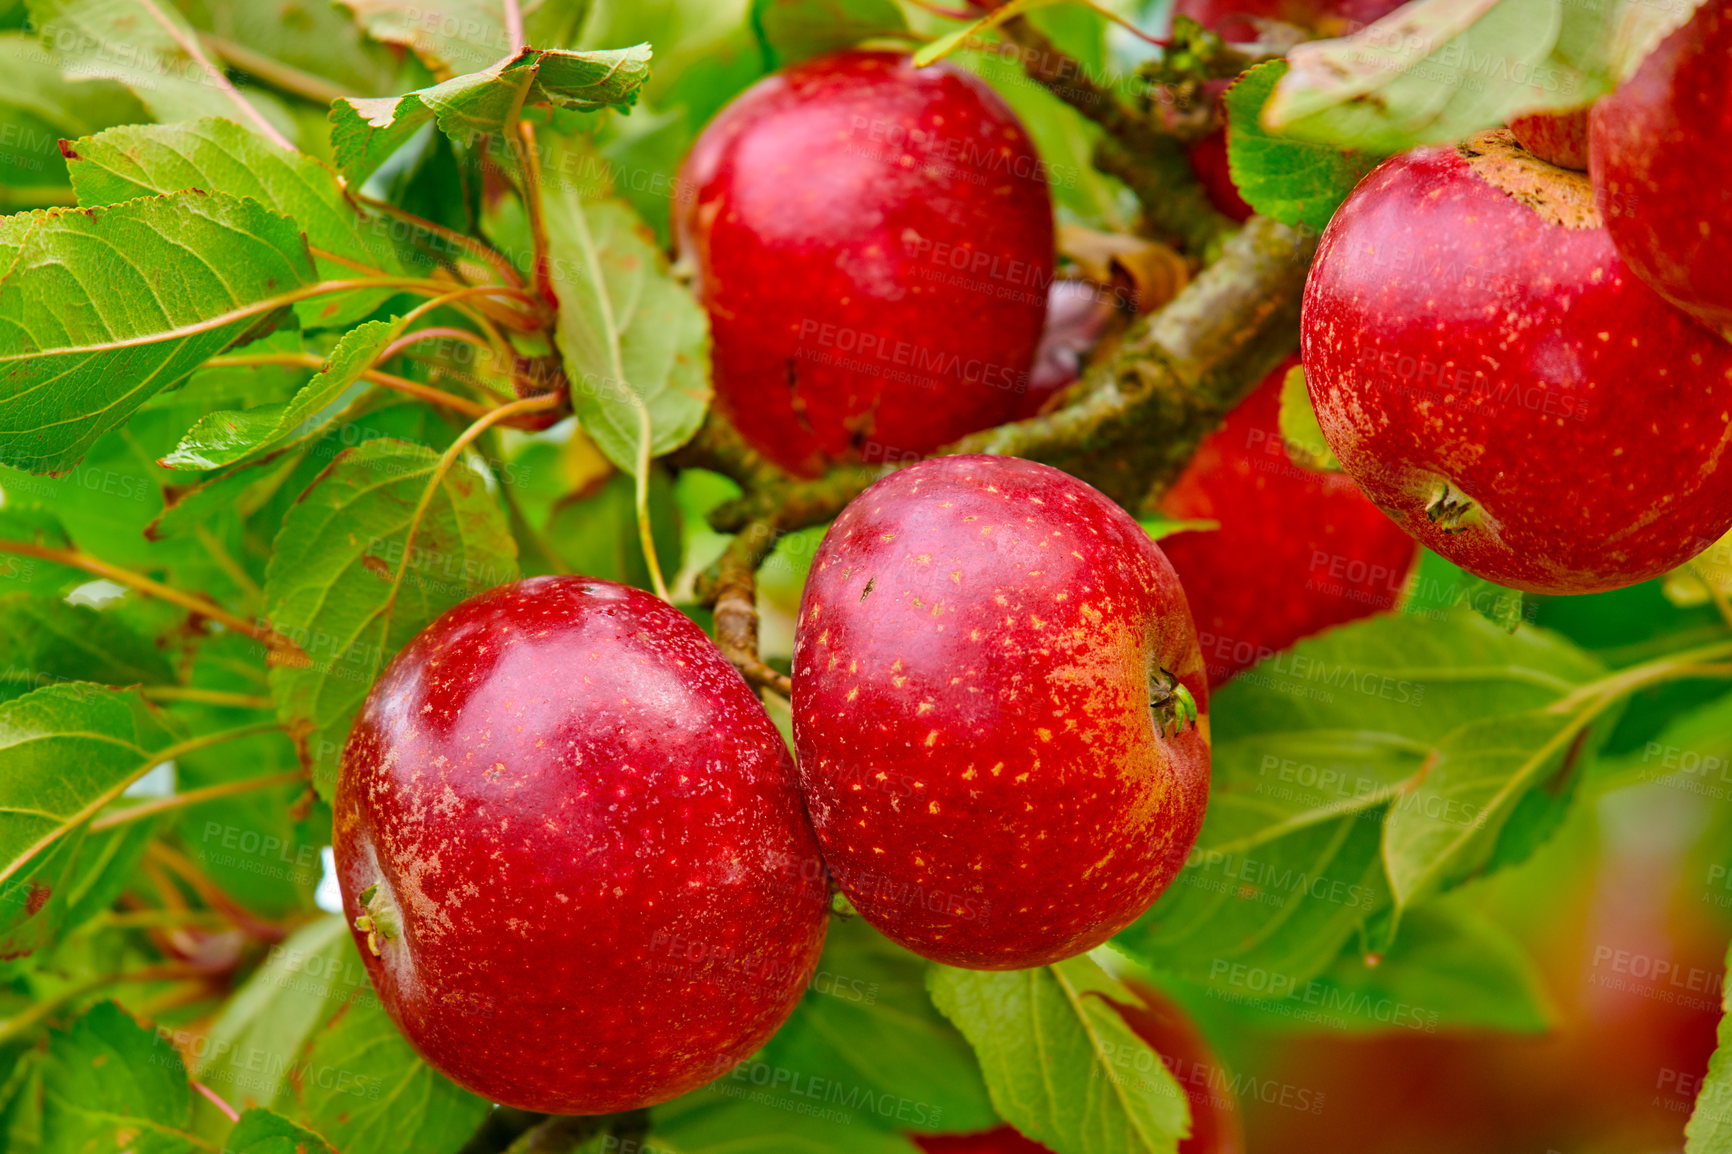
{"points": [[1560, 196]]}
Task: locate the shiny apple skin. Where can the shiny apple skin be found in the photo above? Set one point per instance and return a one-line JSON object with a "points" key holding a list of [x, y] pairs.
{"points": [[972, 712], [591, 835], [1450, 332], [1661, 157], [874, 245], [1297, 550]]}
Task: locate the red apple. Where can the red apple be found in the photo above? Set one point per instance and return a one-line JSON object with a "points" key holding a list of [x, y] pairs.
{"points": [[1493, 376], [874, 243], [1662, 165], [1000, 712], [1297, 550], [1242, 21], [1209, 162], [1215, 1124], [570, 842], [1559, 138]]}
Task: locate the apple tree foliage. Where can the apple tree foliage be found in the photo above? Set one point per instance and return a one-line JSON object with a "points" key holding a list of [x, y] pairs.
{"points": [[291, 296]]}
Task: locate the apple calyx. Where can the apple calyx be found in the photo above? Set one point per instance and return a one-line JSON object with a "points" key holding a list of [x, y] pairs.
{"points": [[379, 921], [1170, 703], [1451, 510]]}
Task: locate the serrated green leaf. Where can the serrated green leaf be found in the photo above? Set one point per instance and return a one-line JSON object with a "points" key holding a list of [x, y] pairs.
{"points": [[151, 49], [331, 577], [1056, 1056], [467, 108], [69, 750], [1297, 182], [462, 36], [101, 308], [222, 156], [1439, 70], [370, 1091], [1448, 824], [264, 1132], [1312, 750], [53, 641], [634, 341], [795, 30], [867, 1033], [225, 438], [1709, 1130], [1301, 433], [112, 1084]]}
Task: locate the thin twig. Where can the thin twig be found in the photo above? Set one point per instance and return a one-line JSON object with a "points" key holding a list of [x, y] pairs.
{"points": [[734, 595]]}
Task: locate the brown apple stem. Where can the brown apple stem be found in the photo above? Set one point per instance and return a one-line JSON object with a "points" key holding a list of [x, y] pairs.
{"points": [[1138, 151], [734, 594]]}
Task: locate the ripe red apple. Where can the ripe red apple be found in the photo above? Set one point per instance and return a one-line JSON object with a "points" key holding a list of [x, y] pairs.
{"points": [[1493, 376], [1297, 550], [1662, 165], [1208, 158], [1242, 21], [874, 243], [1215, 1124], [573, 851], [1000, 712]]}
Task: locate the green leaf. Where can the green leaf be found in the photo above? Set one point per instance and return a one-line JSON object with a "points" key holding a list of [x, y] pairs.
{"points": [[262, 1132], [260, 1038], [39, 108], [69, 750], [1439, 70], [867, 1035], [30, 522], [225, 438], [1447, 826], [462, 36], [1311, 750], [1449, 969], [1054, 1052], [795, 30], [368, 1090], [331, 579], [634, 341], [221, 156], [54, 641], [112, 1084], [101, 308], [1297, 182], [1159, 526], [1709, 1130], [1300, 432], [595, 532], [365, 133], [319, 40], [151, 49], [945, 45], [726, 1118]]}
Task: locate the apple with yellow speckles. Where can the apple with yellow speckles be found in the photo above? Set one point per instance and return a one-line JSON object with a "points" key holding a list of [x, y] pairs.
{"points": [[573, 852], [1492, 374], [1000, 711], [874, 246]]}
